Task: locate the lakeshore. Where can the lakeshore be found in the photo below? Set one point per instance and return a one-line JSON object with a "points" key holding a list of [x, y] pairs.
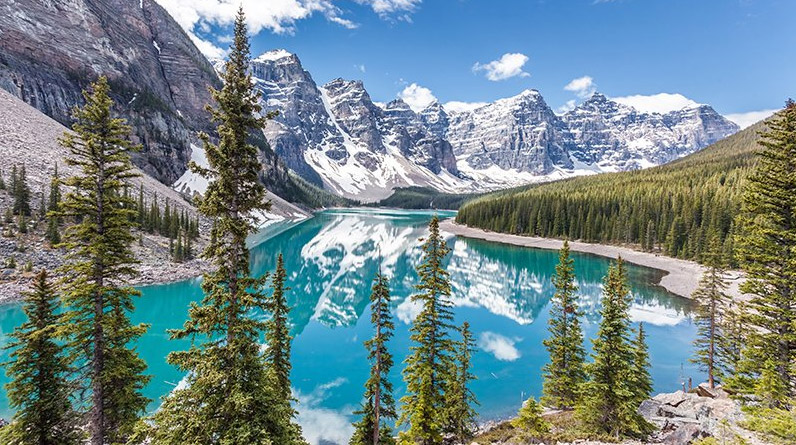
{"points": [[681, 276]]}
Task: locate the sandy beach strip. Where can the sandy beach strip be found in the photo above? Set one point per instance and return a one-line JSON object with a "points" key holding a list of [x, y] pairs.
{"points": [[681, 278]]}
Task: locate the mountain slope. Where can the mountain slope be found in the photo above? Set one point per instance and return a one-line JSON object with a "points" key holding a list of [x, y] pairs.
{"points": [[671, 208], [337, 137], [50, 51]]}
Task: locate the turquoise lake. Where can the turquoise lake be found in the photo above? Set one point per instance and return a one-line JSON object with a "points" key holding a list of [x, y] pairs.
{"points": [[503, 291]]}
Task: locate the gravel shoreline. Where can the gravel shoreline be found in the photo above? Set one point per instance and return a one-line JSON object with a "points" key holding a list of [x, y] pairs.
{"points": [[682, 276]]}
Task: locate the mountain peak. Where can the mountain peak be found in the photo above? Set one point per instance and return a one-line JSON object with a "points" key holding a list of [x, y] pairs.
{"points": [[273, 55]]}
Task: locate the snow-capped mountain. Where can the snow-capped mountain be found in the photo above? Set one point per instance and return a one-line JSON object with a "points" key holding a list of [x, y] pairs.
{"points": [[616, 136], [336, 136]]}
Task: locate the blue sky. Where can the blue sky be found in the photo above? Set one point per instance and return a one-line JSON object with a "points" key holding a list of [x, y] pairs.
{"points": [[737, 55]]}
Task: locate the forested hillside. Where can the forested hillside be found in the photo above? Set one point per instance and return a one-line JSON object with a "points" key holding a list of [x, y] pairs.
{"points": [[672, 208]]}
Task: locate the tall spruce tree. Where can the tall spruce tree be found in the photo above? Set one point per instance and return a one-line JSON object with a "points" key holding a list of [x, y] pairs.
{"points": [[460, 401], [21, 192], [565, 373], [641, 381], [39, 389], [53, 206], [97, 301], [609, 401], [712, 304], [231, 395], [767, 252], [429, 363], [379, 405], [277, 355]]}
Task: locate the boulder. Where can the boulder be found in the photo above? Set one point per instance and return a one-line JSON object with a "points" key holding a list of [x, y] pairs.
{"points": [[671, 399], [703, 390], [685, 434]]}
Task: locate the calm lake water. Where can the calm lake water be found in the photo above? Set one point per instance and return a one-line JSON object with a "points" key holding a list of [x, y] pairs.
{"points": [[503, 291]]}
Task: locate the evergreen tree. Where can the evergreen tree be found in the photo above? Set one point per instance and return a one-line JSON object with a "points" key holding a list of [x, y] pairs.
{"points": [[641, 381], [53, 207], [379, 405], [101, 259], [565, 373], [2, 180], [609, 400], [231, 395], [730, 345], [529, 419], [39, 390], [429, 362], [711, 304], [21, 193], [767, 252], [460, 401], [277, 355]]}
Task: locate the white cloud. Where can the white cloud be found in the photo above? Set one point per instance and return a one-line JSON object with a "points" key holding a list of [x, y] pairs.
{"points": [[408, 310], [583, 87], [501, 347], [278, 16], [417, 97], [568, 106], [319, 424], [509, 65], [657, 103], [386, 7], [361, 68], [751, 117], [456, 106]]}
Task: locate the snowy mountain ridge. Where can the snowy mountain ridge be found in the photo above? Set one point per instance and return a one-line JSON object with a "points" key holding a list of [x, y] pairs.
{"points": [[337, 137]]}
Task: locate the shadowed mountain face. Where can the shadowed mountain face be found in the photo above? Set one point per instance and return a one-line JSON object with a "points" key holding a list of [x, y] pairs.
{"points": [[50, 51]]}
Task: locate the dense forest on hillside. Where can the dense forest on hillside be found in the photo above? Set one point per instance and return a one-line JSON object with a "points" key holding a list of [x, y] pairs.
{"points": [[671, 208], [425, 198]]}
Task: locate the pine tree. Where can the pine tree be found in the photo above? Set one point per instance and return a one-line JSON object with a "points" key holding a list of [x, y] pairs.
{"points": [[460, 421], [101, 259], [39, 390], [231, 395], [277, 356], [529, 419], [640, 379], [609, 401], [731, 343], [711, 303], [565, 373], [379, 405], [53, 207], [767, 252], [21, 193], [2, 180], [429, 362]]}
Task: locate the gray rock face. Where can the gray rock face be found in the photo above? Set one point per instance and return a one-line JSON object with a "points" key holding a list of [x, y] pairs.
{"points": [[49, 51], [416, 141], [520, 133], [335, 135], [611, 134]]}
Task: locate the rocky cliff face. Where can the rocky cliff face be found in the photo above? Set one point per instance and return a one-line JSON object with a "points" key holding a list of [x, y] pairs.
{"points": [[619, 137], [50, 51], [335, 135], [519, 133]]}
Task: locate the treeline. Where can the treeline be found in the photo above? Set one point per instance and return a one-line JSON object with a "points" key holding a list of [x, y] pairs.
{"points": [[170, 221], [425, 198], [672, 209]]}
